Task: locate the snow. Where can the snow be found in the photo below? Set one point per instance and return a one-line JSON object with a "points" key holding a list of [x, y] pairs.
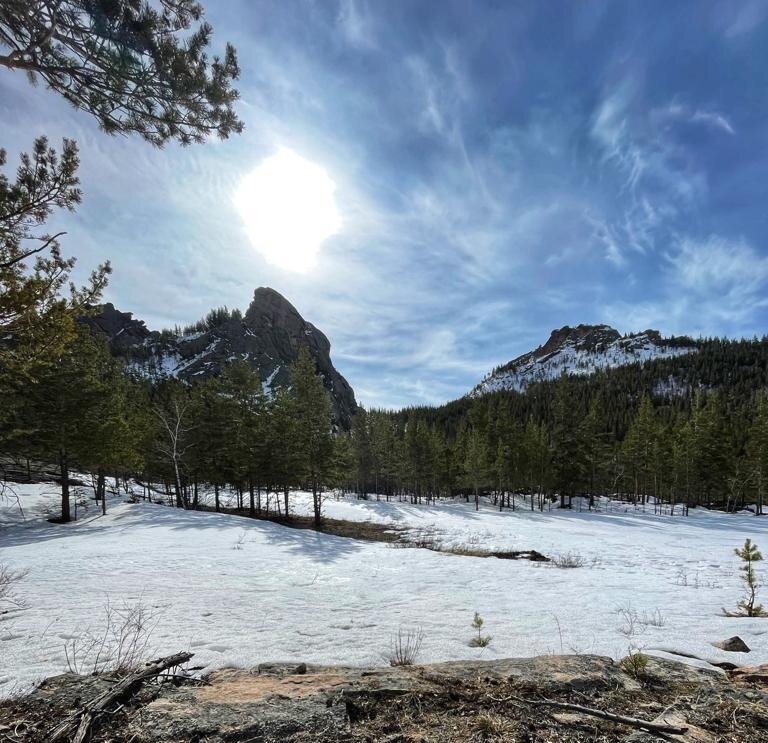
{"points": [[166, 364], [238, 591], [572, 359], [266, 385]]}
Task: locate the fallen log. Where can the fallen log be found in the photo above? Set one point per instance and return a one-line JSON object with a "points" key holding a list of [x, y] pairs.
{"points": [[635, 722], [79, 722]]}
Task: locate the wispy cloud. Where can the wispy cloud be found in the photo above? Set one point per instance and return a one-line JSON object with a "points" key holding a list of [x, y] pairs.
{"points": [[492, 184]]}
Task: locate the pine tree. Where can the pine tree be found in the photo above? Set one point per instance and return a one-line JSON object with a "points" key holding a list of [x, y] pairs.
{"points": [[36, 323], [757, 451], [749, 555], [135, 66], [639, 448], [475, 462], [567, 442], [361, 446], [68, 410], [596, 447], [313, 420]]}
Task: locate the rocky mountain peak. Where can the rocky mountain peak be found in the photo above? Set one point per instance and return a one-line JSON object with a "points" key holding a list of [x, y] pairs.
{"points": [[583, 349], [268, 337]]}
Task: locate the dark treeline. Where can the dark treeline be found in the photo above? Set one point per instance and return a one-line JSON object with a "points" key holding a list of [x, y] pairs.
{"points": [[87, 414], [700, 437], [606, 434]]}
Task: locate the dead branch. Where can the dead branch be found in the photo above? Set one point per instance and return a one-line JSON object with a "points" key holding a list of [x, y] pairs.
{"points": [[80, 722], [635, 722]]}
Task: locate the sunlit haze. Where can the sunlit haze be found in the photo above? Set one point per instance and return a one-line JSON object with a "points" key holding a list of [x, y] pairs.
{"points": [[288, 208]]}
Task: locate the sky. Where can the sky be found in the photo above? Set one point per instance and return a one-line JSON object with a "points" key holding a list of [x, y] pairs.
{"points": [[501, 169]]}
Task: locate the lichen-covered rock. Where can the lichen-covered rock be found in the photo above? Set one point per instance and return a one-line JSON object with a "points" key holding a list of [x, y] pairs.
{"points": [[456, 702]]}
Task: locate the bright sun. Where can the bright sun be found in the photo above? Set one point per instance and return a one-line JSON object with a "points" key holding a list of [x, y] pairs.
{"points": [[288, 208]]}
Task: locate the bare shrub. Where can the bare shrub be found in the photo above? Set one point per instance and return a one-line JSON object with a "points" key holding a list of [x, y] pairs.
{"points": [[406, 646], [653, 619], [238, 545], [634, 664], [631, 623], [119, 646], [569, 560], [682, 578], [9, 599]]}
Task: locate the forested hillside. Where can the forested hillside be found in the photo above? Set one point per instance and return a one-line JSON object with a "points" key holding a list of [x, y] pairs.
{"points": [[690, 429]]}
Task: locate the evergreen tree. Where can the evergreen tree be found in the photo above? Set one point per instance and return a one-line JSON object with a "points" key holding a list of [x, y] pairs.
{"points": [[136, 66], [361, 448], [749, 555], [69, 410], [36, 323], [568, 459], [475, 462], [596, 446], [757, 451], [313, 421], [639, 449]]}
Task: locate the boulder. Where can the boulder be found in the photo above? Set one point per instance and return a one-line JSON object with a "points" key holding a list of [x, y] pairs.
{"points": [[732, 645]]}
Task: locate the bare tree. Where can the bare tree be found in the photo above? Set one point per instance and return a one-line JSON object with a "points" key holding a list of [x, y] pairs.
{"points": [[174, 442]]}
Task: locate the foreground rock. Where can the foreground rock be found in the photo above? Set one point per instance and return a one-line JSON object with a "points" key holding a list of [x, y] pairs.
{"points": [[458, 701]]}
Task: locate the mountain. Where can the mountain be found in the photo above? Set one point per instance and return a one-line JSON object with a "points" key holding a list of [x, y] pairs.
{"points": [[268, 337], [582, 350]]}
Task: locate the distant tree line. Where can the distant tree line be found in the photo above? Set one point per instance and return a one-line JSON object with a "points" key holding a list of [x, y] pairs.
{"points": [[582, 437]]}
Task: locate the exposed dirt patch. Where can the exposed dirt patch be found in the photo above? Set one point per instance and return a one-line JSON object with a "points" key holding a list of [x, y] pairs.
{"points": [[239, 687], [365, 530]]}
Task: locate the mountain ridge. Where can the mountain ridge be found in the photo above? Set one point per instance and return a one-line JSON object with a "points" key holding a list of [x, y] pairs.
{"points": [[581, 350], [267, 336]]}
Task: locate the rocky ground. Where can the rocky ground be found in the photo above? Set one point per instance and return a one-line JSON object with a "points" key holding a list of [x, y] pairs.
{"points": [[457, 702]]}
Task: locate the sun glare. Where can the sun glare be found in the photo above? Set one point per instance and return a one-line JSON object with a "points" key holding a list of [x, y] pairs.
{"points": [[288, 207]]}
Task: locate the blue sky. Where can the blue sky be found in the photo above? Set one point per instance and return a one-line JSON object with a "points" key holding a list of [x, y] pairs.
{"points": [[502, 168]]}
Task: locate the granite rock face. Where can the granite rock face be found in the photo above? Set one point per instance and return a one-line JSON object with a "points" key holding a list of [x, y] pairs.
{"points": [[267, 337]]}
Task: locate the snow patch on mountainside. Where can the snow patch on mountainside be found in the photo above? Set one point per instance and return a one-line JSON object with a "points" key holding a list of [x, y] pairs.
{"points": [[578, 351]]}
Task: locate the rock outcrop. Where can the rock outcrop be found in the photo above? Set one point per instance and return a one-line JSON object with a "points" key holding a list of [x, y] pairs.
{"points": [[458, 702], [268, 337]]}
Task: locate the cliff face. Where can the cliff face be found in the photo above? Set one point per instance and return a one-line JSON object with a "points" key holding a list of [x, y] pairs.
{"points": [[268, 337]]}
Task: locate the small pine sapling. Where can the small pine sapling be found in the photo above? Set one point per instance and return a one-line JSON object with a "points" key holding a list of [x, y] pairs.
{"points": [[749, 555], [481, 640], [634, 664]]}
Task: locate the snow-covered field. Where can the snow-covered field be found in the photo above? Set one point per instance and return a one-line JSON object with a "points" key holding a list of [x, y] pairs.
{"points": [[239, 592]]}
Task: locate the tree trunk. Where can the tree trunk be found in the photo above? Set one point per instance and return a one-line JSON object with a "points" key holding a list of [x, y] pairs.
{"points": [[285, 496], [64, 465], [251, 500], [101, 490], [316, 504], [216, 496]]}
